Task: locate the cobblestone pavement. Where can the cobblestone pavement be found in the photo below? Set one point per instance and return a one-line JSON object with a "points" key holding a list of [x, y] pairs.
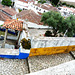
{"points": [[13, 67], [36, 63], [42, 62]]}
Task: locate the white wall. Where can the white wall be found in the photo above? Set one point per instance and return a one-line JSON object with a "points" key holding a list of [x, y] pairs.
{"points": [[21, 5], [23, 35], [52, 42]]}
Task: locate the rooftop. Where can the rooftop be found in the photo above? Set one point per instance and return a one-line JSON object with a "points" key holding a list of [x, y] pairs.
{"points": [[46, 7], [13, 24], [26, 1], [30, 15], [3, 16], [8, 10]]}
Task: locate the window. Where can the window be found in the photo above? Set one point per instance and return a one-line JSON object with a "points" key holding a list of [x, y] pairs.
{"points": [[23, 8], [36, 7], [44, 10], [39, 9], [59, 8]]}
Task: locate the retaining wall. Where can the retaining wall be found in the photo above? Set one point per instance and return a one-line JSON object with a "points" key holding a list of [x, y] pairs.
{"points": [[51, 45]]}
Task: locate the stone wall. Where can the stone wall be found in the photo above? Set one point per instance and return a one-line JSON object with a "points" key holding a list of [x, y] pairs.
{"points": [[52, 42]]}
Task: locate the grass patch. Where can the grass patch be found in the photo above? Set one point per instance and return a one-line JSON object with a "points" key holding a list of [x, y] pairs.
{"points": [[3, 33]]}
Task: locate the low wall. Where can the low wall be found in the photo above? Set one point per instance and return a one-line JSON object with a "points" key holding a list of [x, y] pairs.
{"points": [[52, 42], [51, 45]]}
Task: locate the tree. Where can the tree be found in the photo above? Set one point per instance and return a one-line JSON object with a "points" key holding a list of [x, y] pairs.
{"points": [[54, 2], [6, 2], [42, 1], [69, 26], [54, 20]]}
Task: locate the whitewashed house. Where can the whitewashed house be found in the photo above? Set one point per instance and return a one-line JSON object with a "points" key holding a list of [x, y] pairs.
{"points": [[33, 5], [66, 11]]}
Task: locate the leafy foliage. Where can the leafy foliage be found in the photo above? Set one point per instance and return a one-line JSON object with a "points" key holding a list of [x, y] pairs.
{"points": [[42, 1], [54, 2], [54, 20], [20, 10], [59, 24], [69, 25], [6, 2], [25, 43]]}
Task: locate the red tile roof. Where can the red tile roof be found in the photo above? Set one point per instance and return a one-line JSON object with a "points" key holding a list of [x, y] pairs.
{"points": [[3, 16], [23, 1], [13, 24], [26, 1], [30, 15], [8, 10], [46, 7]]}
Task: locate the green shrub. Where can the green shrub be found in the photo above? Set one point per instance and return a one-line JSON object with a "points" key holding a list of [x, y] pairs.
{"points": [[64, 3], [19, 10], [25, 43], [42, 1]]}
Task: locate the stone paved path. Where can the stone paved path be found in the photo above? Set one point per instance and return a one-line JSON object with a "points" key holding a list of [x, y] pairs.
{"points": [[36, 63], [67, 68], [13, 67]]}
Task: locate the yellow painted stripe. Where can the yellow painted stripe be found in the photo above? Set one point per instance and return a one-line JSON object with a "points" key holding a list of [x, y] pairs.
{"points": [[51, 50]]}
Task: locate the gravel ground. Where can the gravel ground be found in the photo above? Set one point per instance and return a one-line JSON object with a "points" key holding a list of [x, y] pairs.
{"points": [[13, 67], [37, 32], [37, 63]]}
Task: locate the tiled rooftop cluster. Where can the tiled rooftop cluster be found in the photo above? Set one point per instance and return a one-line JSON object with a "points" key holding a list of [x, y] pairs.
{"points": [[3, 16], [13, 24], [26, 1], [30, 15], [46, 7], [6, 12]]}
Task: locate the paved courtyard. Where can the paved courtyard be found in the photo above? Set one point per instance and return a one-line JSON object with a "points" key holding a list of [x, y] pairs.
{"points": [[13, 67], [36, 63]]}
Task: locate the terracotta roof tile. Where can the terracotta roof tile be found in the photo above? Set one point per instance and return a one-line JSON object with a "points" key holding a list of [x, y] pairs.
{"points": [[23, 1], [13, 24], [46, 7], [8, 10], [30, 15], [3, 16], [26, 1]]}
